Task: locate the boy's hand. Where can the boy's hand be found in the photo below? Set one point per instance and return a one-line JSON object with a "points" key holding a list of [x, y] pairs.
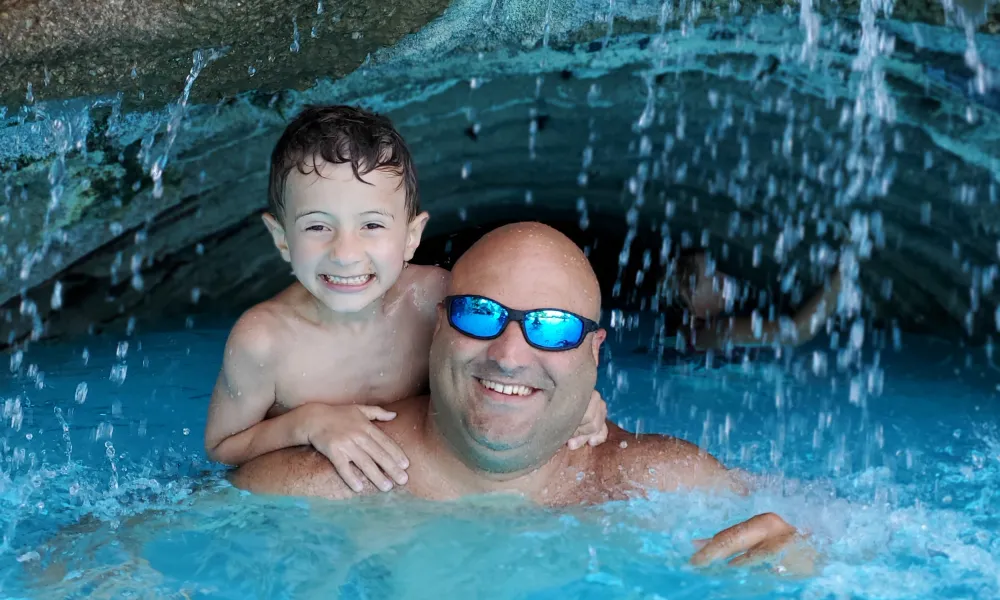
{"points": [[345, 435], [594, 428]]}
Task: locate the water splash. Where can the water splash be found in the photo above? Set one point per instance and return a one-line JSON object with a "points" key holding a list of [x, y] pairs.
{"points": [[200, 59]]}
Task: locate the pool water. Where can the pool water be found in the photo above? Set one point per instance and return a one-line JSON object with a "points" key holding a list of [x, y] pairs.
{"points": [[105, 490]]}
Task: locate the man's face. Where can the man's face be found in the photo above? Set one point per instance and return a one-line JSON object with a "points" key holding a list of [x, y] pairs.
{"points": [[346, 240], [502, 404]]}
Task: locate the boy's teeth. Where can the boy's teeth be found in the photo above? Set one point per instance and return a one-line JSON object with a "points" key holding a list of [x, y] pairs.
{"points": [[510, 390], [347, 280]]}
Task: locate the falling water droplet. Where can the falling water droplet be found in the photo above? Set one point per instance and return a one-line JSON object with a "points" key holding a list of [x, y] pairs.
{"points": [[294, 47], [81, 393], [56, 301], [118, 374]]}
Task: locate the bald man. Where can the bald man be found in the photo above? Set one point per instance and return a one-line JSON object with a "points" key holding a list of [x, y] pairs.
{"points": [[513, 363]]}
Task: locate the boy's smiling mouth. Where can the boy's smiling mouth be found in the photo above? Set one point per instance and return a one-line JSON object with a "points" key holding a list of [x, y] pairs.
{"points": [[356, 281]]}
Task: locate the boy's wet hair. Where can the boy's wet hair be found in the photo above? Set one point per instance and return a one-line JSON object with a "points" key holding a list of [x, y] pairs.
{"points": [[340, 134]]}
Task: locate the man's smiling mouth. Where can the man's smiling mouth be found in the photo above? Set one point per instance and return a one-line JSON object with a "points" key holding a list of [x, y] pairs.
{"points": [[506, 388]]}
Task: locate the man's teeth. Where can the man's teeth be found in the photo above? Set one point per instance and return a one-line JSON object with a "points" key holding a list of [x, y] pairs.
{"points": [[510, 390], [358, 280]]}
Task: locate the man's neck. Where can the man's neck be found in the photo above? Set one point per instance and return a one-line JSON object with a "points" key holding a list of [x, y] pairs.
{"points": [[535, 483]]}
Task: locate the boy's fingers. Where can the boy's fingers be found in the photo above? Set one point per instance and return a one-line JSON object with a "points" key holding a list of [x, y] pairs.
{"points": [[586, 429], [600, 437], [383, 459], [343, 467], [576, 442], [376, 413], [389, 446], [370, 469]]}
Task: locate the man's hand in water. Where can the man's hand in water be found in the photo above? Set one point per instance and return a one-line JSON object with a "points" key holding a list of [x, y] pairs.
{"points": [[346, 435], [594, 428], [763, 539]]}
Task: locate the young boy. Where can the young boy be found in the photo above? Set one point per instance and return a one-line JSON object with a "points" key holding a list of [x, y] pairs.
{"points": [[313, 365]]}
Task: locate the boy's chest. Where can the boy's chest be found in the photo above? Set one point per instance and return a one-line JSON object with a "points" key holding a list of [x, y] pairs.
{"points": [[356, 369]]}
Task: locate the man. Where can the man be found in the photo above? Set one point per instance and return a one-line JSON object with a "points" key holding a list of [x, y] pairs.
{"points": [[709, 298], [513, 363]]}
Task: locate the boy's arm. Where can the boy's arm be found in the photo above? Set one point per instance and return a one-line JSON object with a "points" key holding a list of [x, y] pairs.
{"points": [[236, 430]]}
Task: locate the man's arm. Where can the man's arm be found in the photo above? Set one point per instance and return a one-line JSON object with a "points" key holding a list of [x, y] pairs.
{"points": [[236, 430], [299, 471], [801, 328], [667, 464]]}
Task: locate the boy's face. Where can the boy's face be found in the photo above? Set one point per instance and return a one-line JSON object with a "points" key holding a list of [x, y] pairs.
{"points": [[346, 240]]}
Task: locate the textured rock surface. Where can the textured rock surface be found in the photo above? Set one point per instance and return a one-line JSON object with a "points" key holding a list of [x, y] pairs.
{"points": [[143, 49], [742, 143]]}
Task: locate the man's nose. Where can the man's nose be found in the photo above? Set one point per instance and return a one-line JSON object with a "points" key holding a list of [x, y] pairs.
{"points": [[510, 350], [346, 248]]}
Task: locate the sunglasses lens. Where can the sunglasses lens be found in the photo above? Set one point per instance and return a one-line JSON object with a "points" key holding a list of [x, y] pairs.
{"points": [[478, 317], [553, 329]]}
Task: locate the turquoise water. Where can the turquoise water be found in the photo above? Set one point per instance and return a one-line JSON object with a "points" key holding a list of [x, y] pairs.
{"points": [[113, 497]]}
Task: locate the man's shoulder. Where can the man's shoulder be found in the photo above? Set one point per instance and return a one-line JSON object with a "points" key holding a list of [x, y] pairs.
{"points": [[662, 462]]}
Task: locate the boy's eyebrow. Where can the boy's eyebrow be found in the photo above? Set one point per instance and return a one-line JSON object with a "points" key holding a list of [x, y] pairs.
{"points": [[307, 213], [380, 211]]}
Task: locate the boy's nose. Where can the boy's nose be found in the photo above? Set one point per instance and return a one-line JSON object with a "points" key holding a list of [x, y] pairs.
{"points": [[346, 249]]}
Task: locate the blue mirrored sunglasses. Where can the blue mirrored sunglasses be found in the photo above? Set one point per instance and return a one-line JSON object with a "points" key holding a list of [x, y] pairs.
{"points": [[544, 328]]}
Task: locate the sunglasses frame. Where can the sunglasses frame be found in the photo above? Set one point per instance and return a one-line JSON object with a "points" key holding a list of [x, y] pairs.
{"points": [[518, 316]]}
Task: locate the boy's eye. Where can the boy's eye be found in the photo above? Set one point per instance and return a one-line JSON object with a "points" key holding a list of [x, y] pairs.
{"points": [[373, 226], [316, 228]]}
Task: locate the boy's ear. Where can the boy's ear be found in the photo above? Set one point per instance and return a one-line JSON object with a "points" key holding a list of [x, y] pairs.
{"points": [[278, 235], [413, 234]]}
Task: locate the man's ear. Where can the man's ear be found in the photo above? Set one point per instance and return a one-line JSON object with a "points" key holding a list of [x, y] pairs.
{"points": [[595, 345], [278, 235], [415, 230]]}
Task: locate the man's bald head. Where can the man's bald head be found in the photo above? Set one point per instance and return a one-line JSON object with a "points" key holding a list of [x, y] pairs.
{"points": [[504, 405], [537, 260]]}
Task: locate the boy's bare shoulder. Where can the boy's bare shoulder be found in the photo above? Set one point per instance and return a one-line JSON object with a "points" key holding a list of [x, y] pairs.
{"points": [[426, 276], [661, 462], [263, 329], [425, 285]]}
